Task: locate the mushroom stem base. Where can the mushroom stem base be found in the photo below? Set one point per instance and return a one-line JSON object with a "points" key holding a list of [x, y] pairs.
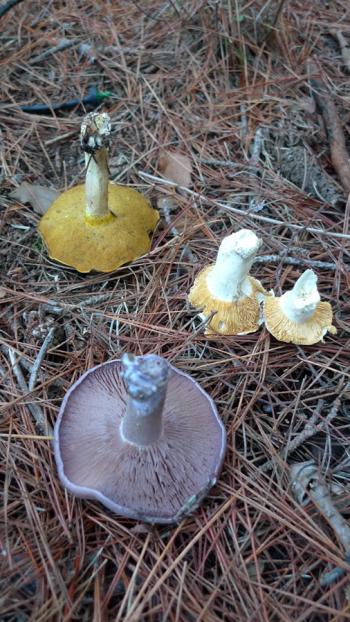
{"points": [[141, 427], [146, 378]]}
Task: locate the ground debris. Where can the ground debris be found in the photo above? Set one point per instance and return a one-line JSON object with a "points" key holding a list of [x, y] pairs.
{"points": [[39, 197], [335, 134]]}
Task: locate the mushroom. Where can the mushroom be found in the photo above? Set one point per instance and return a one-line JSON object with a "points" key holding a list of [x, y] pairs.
{"points": [[226, 290], [141, 437], [298, 316], [98, 226]]}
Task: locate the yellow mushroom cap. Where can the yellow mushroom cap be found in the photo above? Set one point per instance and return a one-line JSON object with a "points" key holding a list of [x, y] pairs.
{"points": [[237, 317], [304, 333], [102, 244]]}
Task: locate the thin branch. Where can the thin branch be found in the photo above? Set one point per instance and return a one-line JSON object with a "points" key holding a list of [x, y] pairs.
{"points": [[296, 261], [39, 359], [245, 214], [35, 410], [312, 426]]}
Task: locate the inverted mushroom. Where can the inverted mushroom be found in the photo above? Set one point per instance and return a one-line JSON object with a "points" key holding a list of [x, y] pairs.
{"points": [[98, 225], [299, 316], [227, 291], [141, 437]]}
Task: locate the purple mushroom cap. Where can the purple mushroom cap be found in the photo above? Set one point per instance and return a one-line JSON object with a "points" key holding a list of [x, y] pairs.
{"points": [[159, 482]]}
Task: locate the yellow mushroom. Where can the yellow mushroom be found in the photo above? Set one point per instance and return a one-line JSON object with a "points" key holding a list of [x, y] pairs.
{"points": [[98, 225], [225, 290], [298, 316]]}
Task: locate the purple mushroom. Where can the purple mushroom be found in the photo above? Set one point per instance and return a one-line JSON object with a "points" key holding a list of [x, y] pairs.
{"points": [[141, 437]]}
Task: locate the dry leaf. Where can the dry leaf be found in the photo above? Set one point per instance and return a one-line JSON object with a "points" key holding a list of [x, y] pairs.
{"points": [[39, 197], [176, 167]]}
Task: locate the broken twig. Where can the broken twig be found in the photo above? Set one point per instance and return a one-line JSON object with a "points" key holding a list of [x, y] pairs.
{"points": [[335, 135], [308, 482], [312, 426], [296, 261], [246, 214], [344, 47], [34, 409], [39, 359]]}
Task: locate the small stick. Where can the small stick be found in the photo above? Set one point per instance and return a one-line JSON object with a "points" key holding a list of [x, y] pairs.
{"points": [[256, 149], [335, 134], [312, 426], [294, 261], [333, 575], [39, 359], [255, 203], [308, 481], [34, 409], [165, 204], [56, 307], [246, 214], [222, 163], [33, 437], [320, 495], [64, 44], [344, 47]]}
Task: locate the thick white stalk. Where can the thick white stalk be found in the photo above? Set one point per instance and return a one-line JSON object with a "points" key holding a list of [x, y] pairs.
{"points": [[299, 304], [228, 279], [96, 184], [94, 139]]}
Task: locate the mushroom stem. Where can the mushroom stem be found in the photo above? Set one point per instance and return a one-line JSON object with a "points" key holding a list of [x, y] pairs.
{"points": [[146, 379], [94, 138], [299, 304], [228, 279]]}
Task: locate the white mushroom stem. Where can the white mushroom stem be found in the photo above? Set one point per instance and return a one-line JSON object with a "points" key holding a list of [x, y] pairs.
{"points": [[146, 379], [94, 136], [299, 304], [228, 280]]}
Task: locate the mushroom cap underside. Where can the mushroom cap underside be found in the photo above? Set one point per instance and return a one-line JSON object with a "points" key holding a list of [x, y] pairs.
{"points": [[158, 483], [102, 246], [231, 318], [300, 333]]}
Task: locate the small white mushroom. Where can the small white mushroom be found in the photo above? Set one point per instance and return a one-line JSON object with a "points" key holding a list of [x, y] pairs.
{"points": [[299, 316], [226, 288]]}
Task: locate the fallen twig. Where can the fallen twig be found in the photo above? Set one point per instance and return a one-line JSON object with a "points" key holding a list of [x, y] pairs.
{"points": [[344, 48], [246, 214], [296, 261], [312, 426], [35, 410], [339, 154], [165, 204], [39, 359], [307, 481], [64, 44], [56, 307], [256, 203]]}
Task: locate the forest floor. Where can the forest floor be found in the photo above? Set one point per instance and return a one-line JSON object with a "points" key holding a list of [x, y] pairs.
{"points": [[256, 96]]}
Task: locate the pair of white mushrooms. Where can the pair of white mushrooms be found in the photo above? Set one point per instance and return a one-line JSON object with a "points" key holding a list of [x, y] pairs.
{"points": [[230, 299]]}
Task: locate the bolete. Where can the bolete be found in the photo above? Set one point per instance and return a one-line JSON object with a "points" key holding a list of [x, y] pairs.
{"points": [[299, 316], [98, 225], [227, 291], [141, 437]]}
